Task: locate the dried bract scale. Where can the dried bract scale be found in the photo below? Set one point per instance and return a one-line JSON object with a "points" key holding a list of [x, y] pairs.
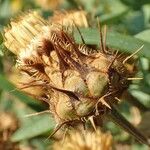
{"points": [[22, 81], [79, 85], [85, 141]]}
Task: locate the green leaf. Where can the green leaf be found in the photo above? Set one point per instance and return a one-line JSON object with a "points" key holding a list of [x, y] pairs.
{"points": [[136, 4], [124, 43], [5, 9], [146, 12], [1, 38], [37, 126], [144, 35], [134, 22], [107, 12], [9, 87]]}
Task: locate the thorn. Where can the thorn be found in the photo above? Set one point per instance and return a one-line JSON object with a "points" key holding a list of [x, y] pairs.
{"points": [[121, 121], [105, 103], [35, 114], [118, 99], [127, 58], [67, 92], [58, 126], [111, 63], [105, 36], [134, 78], [101, 36], [64, 135], [83, 70], [83, 41], [15, 89], [92, 122], [121, 56]]}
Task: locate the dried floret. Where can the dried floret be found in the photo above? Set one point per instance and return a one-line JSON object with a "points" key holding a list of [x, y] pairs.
{"points": [[85, 141]]}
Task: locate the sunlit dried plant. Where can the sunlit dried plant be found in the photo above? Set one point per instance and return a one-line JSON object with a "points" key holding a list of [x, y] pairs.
{"points": [[8, 124], [79, 83], [85, 141], [70, 18], [49, 4]]}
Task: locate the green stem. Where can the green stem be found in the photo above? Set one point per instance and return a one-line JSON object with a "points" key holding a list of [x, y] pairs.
{"points": [[118, 119]]}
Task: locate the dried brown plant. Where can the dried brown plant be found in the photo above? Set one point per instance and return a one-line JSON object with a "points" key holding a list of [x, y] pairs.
{"points": [[79, 82]]}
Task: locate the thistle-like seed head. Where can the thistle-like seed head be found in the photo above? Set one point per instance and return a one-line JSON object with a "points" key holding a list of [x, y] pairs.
{"points": [[80, 81]]}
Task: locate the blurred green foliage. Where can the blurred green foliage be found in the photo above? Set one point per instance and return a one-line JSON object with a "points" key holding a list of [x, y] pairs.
{"points": [[128, 24]]}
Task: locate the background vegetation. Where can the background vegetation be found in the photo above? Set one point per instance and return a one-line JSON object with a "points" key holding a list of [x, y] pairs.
{"points": [[128, 24]]}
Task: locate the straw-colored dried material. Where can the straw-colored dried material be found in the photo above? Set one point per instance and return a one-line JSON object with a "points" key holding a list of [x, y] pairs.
{"points": [[49, 4], [8, 124], [70, 18], [85, 141], [16, 5], [22, 31]]}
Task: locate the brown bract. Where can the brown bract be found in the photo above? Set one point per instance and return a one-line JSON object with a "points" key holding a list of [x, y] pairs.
{"points": [[78, 81]]}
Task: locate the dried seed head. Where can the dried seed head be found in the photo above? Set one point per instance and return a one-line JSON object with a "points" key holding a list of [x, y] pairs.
{"points": [[70, 18], [85, 141], [79, 84]]}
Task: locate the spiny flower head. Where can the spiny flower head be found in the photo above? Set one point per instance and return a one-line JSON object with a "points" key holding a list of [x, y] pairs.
{"points": [[78, 81]]}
